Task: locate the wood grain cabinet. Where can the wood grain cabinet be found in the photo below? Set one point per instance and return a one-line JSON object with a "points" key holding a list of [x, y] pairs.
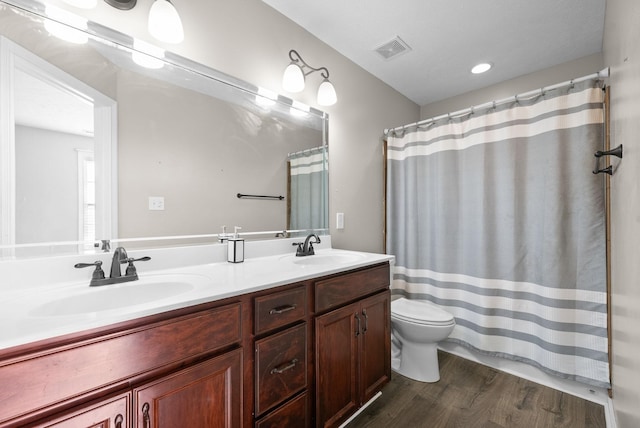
{"points": [[352, 345], [281, 356], [205, 395], [56, 385], [299, 355]]}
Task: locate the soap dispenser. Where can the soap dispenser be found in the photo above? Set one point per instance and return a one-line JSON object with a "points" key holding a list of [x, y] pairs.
{"points": [[235, 247]]}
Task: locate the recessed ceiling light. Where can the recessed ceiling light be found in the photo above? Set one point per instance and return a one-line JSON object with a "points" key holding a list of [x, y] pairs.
{"points": [[481, 68]]}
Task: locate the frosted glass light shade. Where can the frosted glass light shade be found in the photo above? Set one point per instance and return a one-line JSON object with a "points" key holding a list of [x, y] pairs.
{"points": [[293, 78], [327, 94], [165, 23]]}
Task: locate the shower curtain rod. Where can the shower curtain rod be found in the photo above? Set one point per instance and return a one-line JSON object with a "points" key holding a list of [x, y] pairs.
{"points": [[306, 151], [599, 75]]}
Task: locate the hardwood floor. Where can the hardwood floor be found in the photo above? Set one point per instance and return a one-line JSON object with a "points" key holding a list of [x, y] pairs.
{"points": [[471, 395]]}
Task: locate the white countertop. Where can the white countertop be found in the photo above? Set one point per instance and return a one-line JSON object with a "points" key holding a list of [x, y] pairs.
{"points": [[35, 313]]}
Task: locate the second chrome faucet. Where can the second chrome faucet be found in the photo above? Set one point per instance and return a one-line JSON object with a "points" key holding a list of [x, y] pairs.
{"points": [[306, 248]]}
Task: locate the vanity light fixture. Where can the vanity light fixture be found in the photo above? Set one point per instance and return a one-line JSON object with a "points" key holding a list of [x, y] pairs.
{"points": [[294, 76], [165, 23], [118, 4], [481, 68]]}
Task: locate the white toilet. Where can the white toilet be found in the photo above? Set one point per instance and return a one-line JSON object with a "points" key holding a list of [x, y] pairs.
{"points": [[416, 328]]}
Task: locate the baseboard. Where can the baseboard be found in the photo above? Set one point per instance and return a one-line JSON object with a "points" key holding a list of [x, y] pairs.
{"points": [[525, 371], [361, 409]]}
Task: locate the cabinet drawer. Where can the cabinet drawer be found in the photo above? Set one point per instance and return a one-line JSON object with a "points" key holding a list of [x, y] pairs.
{"points": [[279, 309], [281, 367], [343, 289], [61, 373], [293, 414], [107, 413]]}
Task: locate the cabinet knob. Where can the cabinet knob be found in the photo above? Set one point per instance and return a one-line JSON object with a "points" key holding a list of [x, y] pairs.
{"points": [[117, 421], [358, 324], [366, 321]]}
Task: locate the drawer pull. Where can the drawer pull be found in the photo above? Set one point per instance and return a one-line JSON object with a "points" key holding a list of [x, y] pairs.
{"points": [[283, 368], [282, 309], [118, 421], [146, 423]]}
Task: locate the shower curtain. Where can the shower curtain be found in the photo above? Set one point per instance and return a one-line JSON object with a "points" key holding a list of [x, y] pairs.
{"points": [[497, 217], [308, 184]]}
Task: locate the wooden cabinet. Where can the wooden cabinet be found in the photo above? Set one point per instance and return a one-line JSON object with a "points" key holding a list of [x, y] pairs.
{"points": [[109, 413], [300, 355], [281, 356], [44, 384], [352, 352], [206, 395]]}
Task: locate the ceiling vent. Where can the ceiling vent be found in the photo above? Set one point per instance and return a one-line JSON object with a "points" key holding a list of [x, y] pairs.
{"points": [[393, 48]]}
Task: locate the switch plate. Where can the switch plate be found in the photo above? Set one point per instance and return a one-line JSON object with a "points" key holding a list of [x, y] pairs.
{"points": [[339, 220], [156, 203]]}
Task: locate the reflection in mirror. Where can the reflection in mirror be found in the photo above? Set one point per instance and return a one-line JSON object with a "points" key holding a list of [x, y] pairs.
{"points": [[172, 144]]}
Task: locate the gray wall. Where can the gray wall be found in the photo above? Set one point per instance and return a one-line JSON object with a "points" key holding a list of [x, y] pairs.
{"points": [[47, 184], [622, 54], [249, 40], [560, 73]]}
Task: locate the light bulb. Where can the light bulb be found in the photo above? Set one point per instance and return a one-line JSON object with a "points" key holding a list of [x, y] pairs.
{"points": [[164, 22], [293, 78], [327, 94]]}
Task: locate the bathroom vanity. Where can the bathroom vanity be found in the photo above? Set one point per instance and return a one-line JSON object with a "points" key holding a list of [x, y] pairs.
{"points": [[306, 347]]}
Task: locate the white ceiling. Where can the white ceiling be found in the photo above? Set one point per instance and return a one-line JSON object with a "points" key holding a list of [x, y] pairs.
{"points": [[448, 37], [41, 105]]}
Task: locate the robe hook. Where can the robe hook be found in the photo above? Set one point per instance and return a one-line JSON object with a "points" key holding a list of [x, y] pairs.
{"points": [[617, 152]]}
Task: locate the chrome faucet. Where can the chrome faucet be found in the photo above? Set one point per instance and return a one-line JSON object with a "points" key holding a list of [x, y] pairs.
{"points": [[119, 256], [306, 248]]}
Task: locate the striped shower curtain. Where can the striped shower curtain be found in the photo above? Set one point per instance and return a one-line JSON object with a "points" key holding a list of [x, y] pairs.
{"points": [[308, 189], [497, 217]]}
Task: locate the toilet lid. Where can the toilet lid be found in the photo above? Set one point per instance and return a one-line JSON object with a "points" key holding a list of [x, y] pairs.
{"points": [[420, 312]]}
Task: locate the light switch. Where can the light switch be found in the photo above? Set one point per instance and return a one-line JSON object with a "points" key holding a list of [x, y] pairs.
{"points": [[156, 203], [339, 220]]}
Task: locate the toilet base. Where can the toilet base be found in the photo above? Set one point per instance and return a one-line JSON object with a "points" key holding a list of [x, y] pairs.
{"points": [[419, 362]]}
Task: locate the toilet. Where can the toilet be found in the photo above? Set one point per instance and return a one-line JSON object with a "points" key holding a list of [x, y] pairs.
{"points": [[416, 328]]}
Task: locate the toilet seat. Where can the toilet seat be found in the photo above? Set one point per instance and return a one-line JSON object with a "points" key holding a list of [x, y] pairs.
{"points": [[420, 312]]}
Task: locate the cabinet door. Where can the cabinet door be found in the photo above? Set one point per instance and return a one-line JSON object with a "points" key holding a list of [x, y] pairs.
{"points": [[207, 395], [375, 357], [336, 364], [110, 413]]}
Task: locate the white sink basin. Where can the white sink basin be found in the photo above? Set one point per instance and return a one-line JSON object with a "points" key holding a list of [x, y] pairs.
{"points": [[118, 296], [327, 259]]}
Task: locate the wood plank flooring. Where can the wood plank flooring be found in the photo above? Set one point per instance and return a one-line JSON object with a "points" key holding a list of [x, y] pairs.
{"points": [[471, 395]]}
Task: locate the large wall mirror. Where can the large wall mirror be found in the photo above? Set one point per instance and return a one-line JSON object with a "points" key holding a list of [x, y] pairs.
{"points": [[101, 140]]}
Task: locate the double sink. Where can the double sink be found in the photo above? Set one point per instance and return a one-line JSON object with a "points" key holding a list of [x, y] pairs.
{"points": [[155, 289]]}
